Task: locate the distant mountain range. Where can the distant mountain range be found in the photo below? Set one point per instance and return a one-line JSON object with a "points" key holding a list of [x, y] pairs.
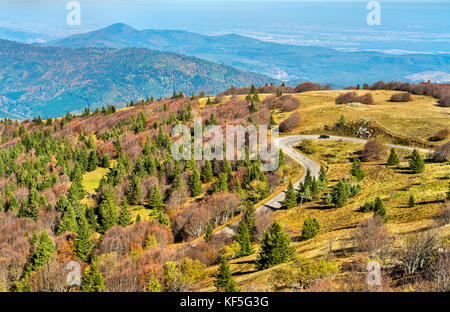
{"points": [[50, 81], [280, 61]]}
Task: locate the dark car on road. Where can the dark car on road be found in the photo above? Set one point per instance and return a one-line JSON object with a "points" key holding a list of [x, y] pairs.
{"points": [[324, 136]]}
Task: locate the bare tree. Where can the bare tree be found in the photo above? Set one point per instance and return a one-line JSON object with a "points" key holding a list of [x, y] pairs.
{"points": [[417, 252], [372, 236]]}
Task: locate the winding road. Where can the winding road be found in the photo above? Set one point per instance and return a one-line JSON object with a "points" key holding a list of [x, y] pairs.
{"points": [[287, 144]]}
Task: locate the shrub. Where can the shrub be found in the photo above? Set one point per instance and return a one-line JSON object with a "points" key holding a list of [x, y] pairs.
{"points": [[401, 97], [308, 146], [290, 123], [346, 98], [365, 99], [302, 273], [306, 87], [445, 101], [441, 135], [442, 152], [311, 227], [289, 103], [372, 236], [373, 151]]}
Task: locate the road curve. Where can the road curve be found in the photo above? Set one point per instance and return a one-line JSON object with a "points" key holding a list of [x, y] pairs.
{"points": [[287, 144]]}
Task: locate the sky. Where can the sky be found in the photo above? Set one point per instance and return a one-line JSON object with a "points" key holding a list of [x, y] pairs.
{"points": [[405, 26]]}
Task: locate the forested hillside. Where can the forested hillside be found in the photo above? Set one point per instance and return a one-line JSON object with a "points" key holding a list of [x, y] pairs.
{"points": [[102, 188], [52, 81]]}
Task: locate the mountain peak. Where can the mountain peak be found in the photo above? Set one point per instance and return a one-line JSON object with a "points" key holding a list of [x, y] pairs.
{"points": [[119, 27]]}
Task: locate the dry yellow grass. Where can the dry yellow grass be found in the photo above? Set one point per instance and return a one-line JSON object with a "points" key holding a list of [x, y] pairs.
{"points": [[393, 185], [418, 118]]}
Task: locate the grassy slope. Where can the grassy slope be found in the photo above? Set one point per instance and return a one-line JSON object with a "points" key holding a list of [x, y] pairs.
{"points": [[394, 185], [419, 118]]}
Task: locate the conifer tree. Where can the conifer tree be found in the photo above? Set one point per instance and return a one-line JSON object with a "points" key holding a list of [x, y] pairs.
{"points": [[42, 253], [92, 161], [208, 233], [68, 222], [91, 217], [243, 239], [195, 183], [92, 280], [133, 191], [411, 201], [340, 194], [416, 162], [221, 184], [156, 202], [250, 220], [62, 204], [393, 158], [323, 179], [380, 208], [207, 173], [275, 248], [290, 200], [281, 159], [357, 170], [227, 169], [224, 281], [125, 215], [107, 210], [84, 244], [311, 227]]}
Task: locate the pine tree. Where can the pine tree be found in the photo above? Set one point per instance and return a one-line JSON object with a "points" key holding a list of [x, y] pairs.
{"points": [[91, 217], [250, 220], [42, 253], [416, 162], [92, 280], [107, 211], [156, 202], [224, 280], [340, 194], [227, 169], [92, 161], [281, 159], [133, 192], [323, 179], [380, 208], [393, 158], [84, 246], [195, 183], [207, 173], [62, 204], [68, 222], [290, 200], [208, 233], [357, 170], [275, 248], [221, 184], [411, 201], [243, 239], [311, 227], [125, 215]]}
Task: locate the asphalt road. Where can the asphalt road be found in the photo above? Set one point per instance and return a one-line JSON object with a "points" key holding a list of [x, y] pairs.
{"points": [[287, 144]]}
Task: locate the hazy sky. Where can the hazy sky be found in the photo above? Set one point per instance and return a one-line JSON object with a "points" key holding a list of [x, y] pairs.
{"points": [[416, 25]]}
